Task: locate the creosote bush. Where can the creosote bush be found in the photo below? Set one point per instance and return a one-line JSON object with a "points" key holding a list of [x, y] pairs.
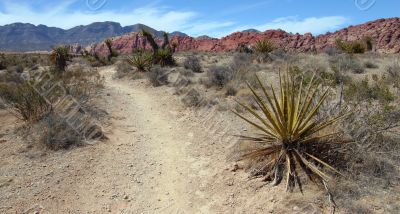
{"points": [[193, 63], [157, 76], [219, 76], [367, 91], [290, 137], [355, 47]]}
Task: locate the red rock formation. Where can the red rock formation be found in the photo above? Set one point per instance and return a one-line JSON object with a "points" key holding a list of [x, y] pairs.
{"points": [[385, 34]]}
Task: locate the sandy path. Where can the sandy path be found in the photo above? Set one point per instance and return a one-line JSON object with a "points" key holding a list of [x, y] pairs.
{"points": [[146, 165]]}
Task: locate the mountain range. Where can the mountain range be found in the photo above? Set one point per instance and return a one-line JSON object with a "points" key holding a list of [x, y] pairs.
{"points": [[385, 34], [28, 37]]}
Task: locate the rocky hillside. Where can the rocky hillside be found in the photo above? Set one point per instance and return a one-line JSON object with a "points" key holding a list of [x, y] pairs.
{"points": [[28, 37], [384, 32]]}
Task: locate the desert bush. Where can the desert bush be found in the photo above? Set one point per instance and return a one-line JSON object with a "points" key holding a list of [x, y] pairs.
{"points": [[219, 76], [372, 158], [243, 48], [231, 89], [59, 57], [158, 76], [192, 98], [394, 69], [141, 60], [123, 69], [279, 53], [2, 62], [363, 91], [332, 51], [371, 65], [345, 63], [355, 47], [24, 101], [290, 135], [193, 63], [58, 134]]}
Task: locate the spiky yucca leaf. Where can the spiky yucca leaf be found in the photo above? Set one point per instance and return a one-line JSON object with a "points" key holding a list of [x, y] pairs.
{"points": [[289, 131], [264, 46], [142, 61]]}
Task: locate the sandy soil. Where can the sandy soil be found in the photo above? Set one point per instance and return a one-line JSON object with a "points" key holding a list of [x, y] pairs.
{"points": [[160, 158]]}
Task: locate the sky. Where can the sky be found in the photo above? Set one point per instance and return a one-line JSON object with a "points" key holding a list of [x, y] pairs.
{"points": [[216, 18]]}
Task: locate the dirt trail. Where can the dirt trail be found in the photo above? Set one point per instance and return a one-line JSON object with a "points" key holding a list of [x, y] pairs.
{"points": [[160, 158], [147, 163]]}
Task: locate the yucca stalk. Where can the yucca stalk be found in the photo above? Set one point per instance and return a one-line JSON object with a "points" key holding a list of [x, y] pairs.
{"points": [[290, 132]]}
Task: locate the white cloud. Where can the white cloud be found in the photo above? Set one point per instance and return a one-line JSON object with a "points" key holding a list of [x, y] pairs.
{"points": [[155, 17], [312, 25]]}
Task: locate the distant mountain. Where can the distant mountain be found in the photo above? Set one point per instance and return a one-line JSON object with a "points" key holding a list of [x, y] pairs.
{"points": [[28, 37], [385, 34], [251, 31]]}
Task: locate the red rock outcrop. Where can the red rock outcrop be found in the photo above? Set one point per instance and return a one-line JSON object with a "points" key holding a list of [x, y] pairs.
{"points": [[385, 34]]}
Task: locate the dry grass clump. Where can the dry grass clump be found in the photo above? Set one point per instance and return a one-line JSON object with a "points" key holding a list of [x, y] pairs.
{"points": [[193, 63], [370, 65], [291, 137], [366, 91], [23, 101], [49, 100], [219, 76], [372, 159], [239, 71], [158, 76], [346, 63], [123, 69]]}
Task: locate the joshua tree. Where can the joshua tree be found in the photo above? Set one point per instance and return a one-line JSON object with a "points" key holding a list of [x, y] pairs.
{"points": [[111, 52], [59, 57], [161, 55]]}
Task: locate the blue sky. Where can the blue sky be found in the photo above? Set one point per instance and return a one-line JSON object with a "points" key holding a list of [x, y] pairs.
{"points": [[215, 18]]}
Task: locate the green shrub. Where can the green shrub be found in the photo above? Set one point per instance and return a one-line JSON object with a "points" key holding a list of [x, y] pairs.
{"points": [[141, 60], [363, 91], [163, 55], [59, 58], [290, 137], [355, 47]]}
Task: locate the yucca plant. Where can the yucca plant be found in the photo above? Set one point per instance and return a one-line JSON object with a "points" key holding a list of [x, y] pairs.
{"points": [[161, 55], [264, 46], [290, 136], [111, 52], [59, 57], [142, 60], [164, 58]]}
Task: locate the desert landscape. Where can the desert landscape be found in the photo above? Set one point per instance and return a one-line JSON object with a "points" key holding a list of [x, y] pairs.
{"points": [[108, 119]]}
